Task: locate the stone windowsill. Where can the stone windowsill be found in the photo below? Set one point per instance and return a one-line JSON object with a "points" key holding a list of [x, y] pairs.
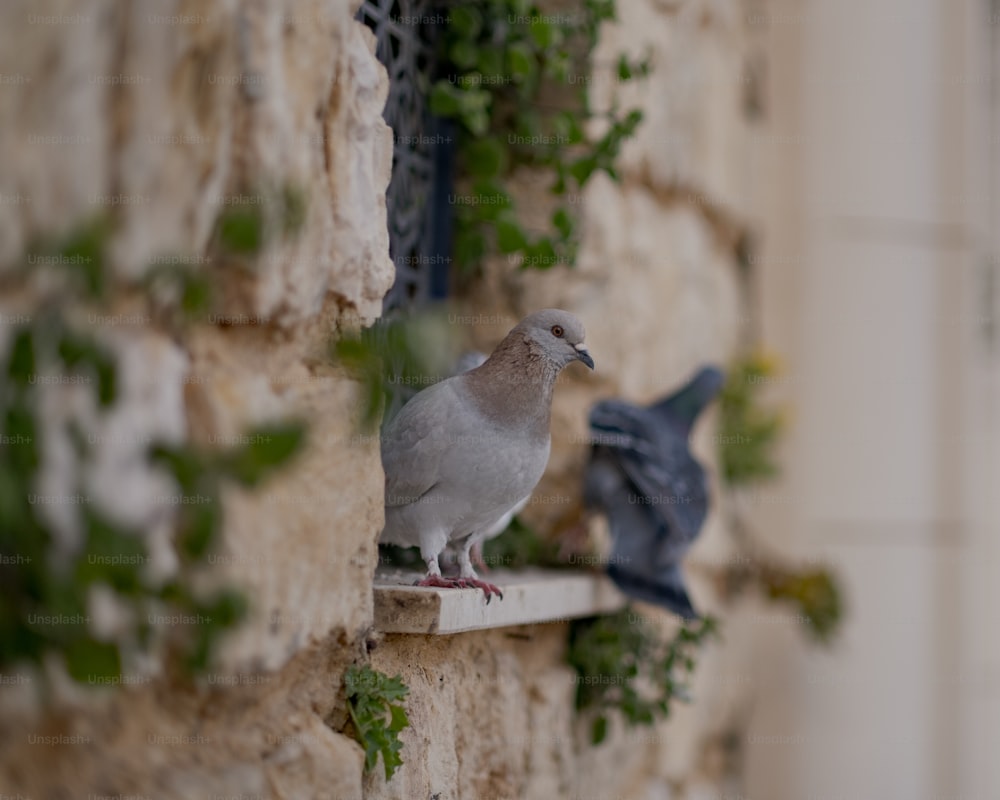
{"points": [[529, 597]]}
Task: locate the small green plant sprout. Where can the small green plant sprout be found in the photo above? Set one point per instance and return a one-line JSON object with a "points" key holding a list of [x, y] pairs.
{"points": [[394, 359], [253, 218], [748, 432], [501, 59], [386, 361], [623, 663], [815, 592], [374, 701]]}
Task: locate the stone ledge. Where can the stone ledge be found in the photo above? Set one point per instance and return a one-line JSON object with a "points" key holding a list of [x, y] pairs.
{"points": [[529, 597]]}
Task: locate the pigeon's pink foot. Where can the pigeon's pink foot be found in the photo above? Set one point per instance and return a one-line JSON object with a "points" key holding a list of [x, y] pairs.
{"points": [[489, 589], [441, 582]]}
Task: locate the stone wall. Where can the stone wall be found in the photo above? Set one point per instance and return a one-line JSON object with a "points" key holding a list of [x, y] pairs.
{"points": [[155, 114], [160, 116]]}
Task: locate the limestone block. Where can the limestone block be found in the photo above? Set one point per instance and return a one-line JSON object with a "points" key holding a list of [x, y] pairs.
{"points": [[197, 108], [243, 735], [316, 762], [303, 544], [551, 759], [489, 713]]}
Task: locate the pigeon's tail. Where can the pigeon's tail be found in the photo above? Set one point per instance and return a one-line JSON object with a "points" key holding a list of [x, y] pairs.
{"points": [[666, 589], [683, 406]]}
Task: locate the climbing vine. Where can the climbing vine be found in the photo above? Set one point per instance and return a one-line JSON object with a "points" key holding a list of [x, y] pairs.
{"points": [[624, 664], [47, 585], [501, 60]]}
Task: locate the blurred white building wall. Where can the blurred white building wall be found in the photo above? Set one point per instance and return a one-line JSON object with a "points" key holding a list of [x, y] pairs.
{"points": [[877, 185]]}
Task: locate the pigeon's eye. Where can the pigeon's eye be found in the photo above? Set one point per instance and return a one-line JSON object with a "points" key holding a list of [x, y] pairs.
{"points": [[557, 331]]}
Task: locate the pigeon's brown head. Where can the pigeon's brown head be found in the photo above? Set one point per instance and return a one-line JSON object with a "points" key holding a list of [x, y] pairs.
{"points": [[556, 333]]}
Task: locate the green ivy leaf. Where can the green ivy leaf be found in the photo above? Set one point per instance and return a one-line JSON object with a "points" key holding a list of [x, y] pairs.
{"points": [[183, 462], [196, 295], [370, 694], [77, 350], [540, 255], [485, 158], [568, 127], [624, 68], [563, 222], [558, 66], [523, 65], [225, 609], [466, 21], [582, 169], [91, 661], [464, 53], [443, 100], [490, 62], [110, 555], [542, 32], [201, 519], [20, 425], [241, 230], [266, 448], [599, 730], [510, 236], [21, 364], [82, 253]]}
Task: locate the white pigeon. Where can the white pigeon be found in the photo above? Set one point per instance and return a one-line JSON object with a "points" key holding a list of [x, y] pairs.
{"points": [[468, 451]]}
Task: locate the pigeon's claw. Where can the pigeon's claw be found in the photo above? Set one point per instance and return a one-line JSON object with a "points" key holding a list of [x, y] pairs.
{"points": [[489, 589], [440, 582]]}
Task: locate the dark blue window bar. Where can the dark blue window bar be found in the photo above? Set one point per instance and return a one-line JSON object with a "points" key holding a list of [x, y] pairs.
{"points": [[423, 151]]}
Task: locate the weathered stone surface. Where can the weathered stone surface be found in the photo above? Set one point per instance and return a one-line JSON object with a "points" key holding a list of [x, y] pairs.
{"points": [[235, 734], [163, 116], [303, 544], [202, 108]]}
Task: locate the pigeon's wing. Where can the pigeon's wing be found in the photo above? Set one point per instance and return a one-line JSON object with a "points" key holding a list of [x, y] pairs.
{"points": [[672, 482], [643, 564], [655, 457], [415, 444], [681, 409]]}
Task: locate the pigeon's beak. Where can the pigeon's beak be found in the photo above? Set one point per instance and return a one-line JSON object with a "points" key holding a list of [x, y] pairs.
{"points": [[583, 355]]}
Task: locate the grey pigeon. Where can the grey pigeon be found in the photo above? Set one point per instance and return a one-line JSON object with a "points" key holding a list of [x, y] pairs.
{"points": [[655, 495], [467, 451]]}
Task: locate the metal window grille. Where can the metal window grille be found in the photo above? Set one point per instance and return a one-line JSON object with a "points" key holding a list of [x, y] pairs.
{"points": [[419, 222]]}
